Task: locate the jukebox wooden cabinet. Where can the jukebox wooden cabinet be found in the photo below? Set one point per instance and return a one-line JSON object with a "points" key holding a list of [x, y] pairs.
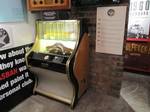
{"points": [[38, 5], [59, 60]]}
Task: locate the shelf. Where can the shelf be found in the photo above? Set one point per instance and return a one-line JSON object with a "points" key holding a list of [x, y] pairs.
{"points": [[38, 5], [137, 70], [138, 39], [53, 84]]}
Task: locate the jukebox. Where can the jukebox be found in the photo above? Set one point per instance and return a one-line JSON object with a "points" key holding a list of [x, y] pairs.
{"points": [[59, 60]]}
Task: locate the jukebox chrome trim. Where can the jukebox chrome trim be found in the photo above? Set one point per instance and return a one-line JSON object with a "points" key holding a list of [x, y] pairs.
{"points": [[68, 70]]}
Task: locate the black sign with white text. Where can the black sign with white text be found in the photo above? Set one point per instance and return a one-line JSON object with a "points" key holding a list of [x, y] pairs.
{"points": [[16, 82]]}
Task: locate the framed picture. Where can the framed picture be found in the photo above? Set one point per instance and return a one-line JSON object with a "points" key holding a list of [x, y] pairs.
{"points": [[12, 10], [6, 38], [137, 49], [139, 21]]}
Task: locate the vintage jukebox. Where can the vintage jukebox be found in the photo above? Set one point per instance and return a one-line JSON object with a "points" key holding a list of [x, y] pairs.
{"points": [[59, 60]]}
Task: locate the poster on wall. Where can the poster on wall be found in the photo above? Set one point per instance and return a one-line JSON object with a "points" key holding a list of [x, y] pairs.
{"points": [[137, 50], [6, 37], [16, 81], [110, 29], [12, 10], [139, 21]]}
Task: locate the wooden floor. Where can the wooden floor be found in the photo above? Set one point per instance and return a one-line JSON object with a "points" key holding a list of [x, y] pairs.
{"points": [[91, 101]]}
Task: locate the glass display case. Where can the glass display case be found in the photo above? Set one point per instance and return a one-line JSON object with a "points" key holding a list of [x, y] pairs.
{"points": [[59, 59], [57, 37]]}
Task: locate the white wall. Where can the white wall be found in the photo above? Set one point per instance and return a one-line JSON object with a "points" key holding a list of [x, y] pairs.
{"points": [[22, 32]]}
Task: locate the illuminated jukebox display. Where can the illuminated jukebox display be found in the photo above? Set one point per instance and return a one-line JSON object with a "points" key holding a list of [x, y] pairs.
{"points": [[59, 60]]}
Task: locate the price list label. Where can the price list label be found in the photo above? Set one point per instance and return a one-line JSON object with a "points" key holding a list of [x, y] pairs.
{"points": [[110, 29]]}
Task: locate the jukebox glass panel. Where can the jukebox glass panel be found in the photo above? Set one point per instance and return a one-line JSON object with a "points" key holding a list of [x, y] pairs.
{"points": [[57, 37]]}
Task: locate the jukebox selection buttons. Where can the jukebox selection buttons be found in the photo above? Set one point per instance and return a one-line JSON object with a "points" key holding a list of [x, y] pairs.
{"points": [[58, 59], [46, 57]]}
